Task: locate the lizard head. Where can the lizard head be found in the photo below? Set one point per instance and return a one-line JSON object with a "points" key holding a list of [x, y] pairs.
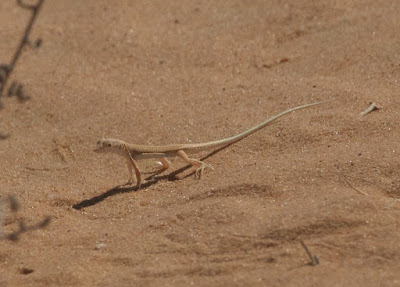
{"points": [[109, 145]]}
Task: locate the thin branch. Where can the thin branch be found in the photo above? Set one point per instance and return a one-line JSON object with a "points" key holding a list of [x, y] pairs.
{"points": [[371, 108], [27, 6], [351, 186], [22, 227], [314, 259], [6, 70]]}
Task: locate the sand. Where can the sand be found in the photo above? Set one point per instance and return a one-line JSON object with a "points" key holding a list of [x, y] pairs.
{"points": [[162, 72]]}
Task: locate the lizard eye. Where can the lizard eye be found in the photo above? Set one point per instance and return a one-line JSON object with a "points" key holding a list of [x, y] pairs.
{"points": [[109, 144]]}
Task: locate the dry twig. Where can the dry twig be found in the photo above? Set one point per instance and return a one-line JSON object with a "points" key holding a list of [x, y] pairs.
{"points": [[371, 108], [22, 228], [348, 183], [314, 259], [6, 69]]}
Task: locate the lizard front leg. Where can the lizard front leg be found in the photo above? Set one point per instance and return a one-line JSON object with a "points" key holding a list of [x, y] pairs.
{"points": [[132, 165], [195, 162]]}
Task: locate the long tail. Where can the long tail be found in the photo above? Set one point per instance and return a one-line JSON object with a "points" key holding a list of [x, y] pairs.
{"points": [[238, 137]]}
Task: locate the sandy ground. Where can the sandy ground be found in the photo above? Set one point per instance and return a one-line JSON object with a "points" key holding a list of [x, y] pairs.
{"points": [[161, 72]]}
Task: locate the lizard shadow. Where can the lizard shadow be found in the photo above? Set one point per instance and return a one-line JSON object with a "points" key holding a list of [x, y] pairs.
{"points": [[151, 180]]}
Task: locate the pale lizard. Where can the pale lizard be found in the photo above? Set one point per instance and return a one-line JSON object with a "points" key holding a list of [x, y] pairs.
{"points": [[134, 152]]}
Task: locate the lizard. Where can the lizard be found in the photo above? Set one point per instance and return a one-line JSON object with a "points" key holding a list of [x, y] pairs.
{"points": [[132, 152]]}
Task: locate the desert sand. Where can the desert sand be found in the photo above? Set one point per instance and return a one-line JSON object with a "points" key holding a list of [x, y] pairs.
{"points": [[162, 72]]}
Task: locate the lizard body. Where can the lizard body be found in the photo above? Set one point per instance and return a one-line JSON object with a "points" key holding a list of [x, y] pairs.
{"points": [[134, 152]]}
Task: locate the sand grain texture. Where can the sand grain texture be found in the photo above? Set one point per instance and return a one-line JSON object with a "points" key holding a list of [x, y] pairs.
{"points": [[161, 72]]}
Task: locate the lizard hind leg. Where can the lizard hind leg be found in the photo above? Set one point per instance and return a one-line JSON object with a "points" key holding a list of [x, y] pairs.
{"points": [[195, 162]]}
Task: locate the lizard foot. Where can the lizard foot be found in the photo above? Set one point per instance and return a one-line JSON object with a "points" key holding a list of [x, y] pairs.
{"points": [[200, 170], [130, 182]]}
